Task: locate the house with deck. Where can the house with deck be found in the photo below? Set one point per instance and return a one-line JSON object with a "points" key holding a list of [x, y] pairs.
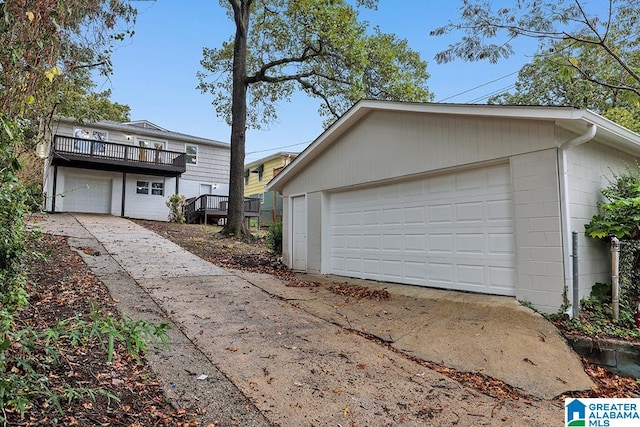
{"points": [[129, 169]]}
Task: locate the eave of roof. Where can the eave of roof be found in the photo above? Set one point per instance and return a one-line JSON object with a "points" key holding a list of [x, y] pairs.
{"points": [[570, 118], [271, 157]]}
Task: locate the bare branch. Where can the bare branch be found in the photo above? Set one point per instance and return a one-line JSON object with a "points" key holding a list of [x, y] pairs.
{"points": [[311, 88]]}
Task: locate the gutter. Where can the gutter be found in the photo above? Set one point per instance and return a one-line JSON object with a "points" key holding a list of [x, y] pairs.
{"points": [[565, 218]]}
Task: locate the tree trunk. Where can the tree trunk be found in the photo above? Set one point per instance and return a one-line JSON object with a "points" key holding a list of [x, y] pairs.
{"points": [[235, 216]]}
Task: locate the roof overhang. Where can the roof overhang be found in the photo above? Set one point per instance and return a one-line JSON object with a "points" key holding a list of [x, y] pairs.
{"points": [[131, 128], [569, 118]]}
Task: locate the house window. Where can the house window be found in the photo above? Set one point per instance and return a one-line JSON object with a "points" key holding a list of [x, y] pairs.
{"points": [[262, 198], [157, 188], [100, 136], [259, 170], [192, 154], [246, 177], [142, 187]]}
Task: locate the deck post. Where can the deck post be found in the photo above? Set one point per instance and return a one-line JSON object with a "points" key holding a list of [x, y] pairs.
{"points": [[206, 206], [124, 190]]}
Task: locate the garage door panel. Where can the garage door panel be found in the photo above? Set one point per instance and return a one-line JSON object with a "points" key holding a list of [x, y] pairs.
{"points": [[470, 243], [440, 214], [501, 243], [87, 194], [453, 231]]}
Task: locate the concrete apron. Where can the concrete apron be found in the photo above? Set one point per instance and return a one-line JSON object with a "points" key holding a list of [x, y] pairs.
{"points": [[274, 349]]}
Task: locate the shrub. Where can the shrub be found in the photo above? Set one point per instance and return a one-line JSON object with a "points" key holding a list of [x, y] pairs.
{"points": [[274, 238], [175, 203], [619, 215]]}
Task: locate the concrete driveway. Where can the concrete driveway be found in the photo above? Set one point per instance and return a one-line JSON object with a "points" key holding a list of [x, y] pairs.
{"points": [[293, 351]]}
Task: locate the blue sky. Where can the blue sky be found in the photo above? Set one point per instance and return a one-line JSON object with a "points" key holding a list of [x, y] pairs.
{"points": [[155, 71]]}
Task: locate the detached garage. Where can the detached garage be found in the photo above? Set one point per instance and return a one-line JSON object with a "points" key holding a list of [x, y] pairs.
{"points": [[462, 197]]}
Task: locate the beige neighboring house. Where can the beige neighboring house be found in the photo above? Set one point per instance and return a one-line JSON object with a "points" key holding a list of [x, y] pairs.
{"points": [[128, 169], [256, 176], [479, 198]]}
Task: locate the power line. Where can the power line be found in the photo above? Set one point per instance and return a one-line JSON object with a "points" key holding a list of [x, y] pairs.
{"points": [[495, 92], [479, 86], [277, 148]]}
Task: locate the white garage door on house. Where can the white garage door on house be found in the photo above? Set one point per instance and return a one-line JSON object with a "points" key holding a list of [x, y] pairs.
{"points": [[87, 194], [452, 231]]}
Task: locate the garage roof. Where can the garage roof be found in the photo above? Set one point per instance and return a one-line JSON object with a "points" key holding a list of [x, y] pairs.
{"points": [[572, 119]]}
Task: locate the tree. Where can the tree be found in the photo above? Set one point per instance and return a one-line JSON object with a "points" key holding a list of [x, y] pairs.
{"points": [[551, 80], [45, 43], [317, 46], [77, 98], [42, 42], [604, 38]]}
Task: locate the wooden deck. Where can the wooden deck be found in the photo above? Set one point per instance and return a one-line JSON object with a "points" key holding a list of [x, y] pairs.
{"points": [[94, 154], [210, 207]]}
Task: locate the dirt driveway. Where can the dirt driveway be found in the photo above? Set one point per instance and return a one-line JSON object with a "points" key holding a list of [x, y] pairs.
{"points": [[241, 349]]}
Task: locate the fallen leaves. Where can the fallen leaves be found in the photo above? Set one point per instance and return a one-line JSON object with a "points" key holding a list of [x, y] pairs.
{"points": [[359, 292], [62, 287]]}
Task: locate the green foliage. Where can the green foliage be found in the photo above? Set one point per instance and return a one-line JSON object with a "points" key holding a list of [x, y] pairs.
{"points": [[13, 207], [47, 42], [599, 42], [320, 48], [601, 292], [176, 203], [28, 355], [274, 238], [76, 97], [619, 215], [551, 79]]}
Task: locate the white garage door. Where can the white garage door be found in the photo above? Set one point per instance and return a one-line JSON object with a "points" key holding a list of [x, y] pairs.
{"points": [[87, 194], [453, 231]]}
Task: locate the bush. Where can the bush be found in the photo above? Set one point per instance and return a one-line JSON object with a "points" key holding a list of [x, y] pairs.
{"points": [[274, 238], [175, 203], [619, 216]]}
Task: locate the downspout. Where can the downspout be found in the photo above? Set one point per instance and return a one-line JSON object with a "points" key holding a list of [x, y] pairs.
{"points": [[565, 217]]}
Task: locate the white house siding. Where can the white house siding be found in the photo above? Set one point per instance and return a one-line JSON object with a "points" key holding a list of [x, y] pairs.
{"points": [[147, 206], [590, 168], [386, 145], [536, 199]]}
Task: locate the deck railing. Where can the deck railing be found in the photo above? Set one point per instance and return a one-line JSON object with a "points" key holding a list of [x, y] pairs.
{"points": [[109, 152], [217, 207]]}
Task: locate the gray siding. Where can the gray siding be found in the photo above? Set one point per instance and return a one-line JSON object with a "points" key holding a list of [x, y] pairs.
{"points": [[385, 145], [213, 163]]}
